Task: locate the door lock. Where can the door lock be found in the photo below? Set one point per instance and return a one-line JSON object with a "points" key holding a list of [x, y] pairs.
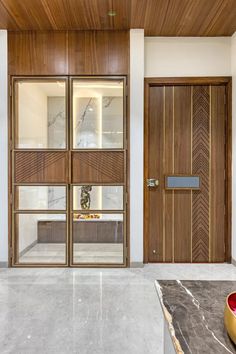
{"points": [[152, 182]]}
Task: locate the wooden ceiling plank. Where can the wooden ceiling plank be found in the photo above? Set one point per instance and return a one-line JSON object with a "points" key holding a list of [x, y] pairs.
{"points": [[29, 15], [6, 20], [224, 11], [157, 17]]}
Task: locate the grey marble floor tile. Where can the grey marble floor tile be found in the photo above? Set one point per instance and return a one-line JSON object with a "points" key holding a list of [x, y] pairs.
{"points": [[86, 311]]}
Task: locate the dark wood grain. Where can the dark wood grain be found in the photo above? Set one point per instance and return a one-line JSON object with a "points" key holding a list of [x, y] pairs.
{"points": [[64, 14], [217, 160], [41, 167], [37, 53], [228, 173], [201, 152], [98, 52], [195, 118], [184, 17], [68, 53], [157, 17], [155, 170], [98, 167], [182, 165], [168, 160]]}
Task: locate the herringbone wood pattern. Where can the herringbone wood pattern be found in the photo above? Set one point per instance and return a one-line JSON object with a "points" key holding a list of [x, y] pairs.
{"points": [[201, 167]]}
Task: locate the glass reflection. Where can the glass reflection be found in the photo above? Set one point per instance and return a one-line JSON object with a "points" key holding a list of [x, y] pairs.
{"points": [[40, 114], [97, 114], [40, 197]]}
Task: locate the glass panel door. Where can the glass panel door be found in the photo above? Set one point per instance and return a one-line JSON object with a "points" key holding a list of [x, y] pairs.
{"points": [[68, 172], [40, 178], [98, 171]]}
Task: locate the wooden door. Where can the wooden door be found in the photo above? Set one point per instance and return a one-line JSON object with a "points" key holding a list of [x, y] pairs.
{"points": [[185, 153]]}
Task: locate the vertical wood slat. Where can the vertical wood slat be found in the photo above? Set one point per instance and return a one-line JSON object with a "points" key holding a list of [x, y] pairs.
{"points": [[182, 165], [218, 109], [168, 165], [156, 170]]}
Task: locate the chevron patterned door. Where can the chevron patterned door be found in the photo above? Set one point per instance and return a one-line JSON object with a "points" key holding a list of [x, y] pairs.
{"points": [[185, 222]]}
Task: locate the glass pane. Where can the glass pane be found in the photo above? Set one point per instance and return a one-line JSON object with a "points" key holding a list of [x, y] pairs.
{"points": [[97, 197], [97, 114], [40, 114], [98, 238], [41, 238], [40, 197], [185, 182]]}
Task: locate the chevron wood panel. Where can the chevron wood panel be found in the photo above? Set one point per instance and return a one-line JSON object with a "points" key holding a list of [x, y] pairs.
{"points": [[41, 167], [201, 167], [98, 167]]}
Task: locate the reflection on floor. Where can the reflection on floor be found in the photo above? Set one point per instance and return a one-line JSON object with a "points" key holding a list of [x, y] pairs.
{"points": [[83, 253], [88, 311]]}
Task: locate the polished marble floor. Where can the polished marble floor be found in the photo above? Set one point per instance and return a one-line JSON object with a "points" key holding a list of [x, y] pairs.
{"points": [[83, 253], [89, 311]]}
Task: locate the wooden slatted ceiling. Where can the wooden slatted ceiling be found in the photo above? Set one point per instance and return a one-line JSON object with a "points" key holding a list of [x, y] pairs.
{"points": [[157, 17]]}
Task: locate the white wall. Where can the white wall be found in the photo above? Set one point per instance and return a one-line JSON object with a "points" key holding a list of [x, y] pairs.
{"points": [[136, 144], [233, 68], [187, 56], [3, 149]]}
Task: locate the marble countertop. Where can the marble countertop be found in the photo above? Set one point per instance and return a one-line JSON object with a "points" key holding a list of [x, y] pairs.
{"points": [[194, 311]]}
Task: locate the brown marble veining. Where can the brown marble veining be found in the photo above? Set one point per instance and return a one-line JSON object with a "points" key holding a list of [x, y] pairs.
{"points": [[194, 311]]}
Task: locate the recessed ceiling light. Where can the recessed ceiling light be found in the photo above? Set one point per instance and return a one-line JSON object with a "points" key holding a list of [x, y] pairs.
{"points": [[111, 13]]}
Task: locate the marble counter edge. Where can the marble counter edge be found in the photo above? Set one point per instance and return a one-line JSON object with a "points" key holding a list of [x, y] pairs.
{"points": [[168, 319]]}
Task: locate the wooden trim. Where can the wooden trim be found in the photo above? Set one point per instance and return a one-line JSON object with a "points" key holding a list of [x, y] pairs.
{"points": [[146, 162], [10, 164], [205, 80], [15, 120], [191, 81], [228, 171]]}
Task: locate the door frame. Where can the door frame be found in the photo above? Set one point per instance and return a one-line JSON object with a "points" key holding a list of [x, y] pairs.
{"points": [[191, 81], [69, 149]]}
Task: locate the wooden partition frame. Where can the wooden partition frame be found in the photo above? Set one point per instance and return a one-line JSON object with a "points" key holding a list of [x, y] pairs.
{"points": [[12, 256], [191, 81]]}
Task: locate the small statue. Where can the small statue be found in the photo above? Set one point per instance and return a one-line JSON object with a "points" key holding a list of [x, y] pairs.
{"points": [[85, 198]]}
